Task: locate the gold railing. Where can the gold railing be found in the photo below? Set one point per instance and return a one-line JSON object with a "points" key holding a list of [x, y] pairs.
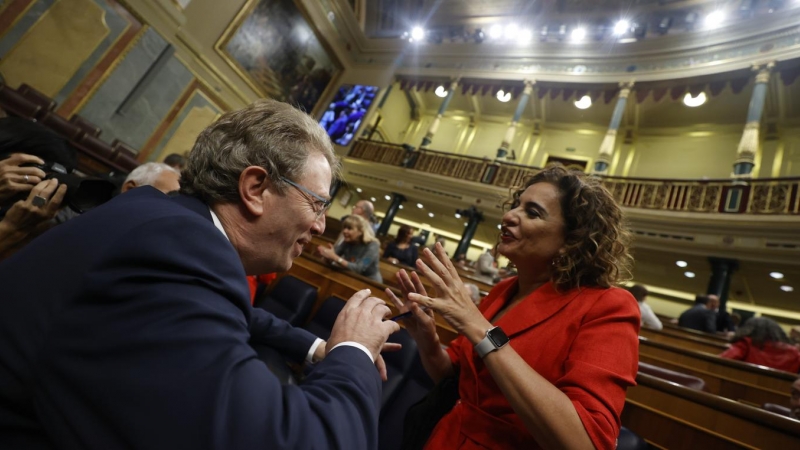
{"points": [[755, 196]]}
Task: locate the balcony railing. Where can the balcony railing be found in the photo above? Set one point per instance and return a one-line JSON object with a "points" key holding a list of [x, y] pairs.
{"points": [[755, 196]]}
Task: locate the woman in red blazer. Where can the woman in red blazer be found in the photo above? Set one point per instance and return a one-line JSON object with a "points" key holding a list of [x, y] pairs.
{"points": [[572, 338]]}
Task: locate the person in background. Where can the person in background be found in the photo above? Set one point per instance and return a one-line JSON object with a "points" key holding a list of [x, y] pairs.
{"points": [[573, 349], [762, 341], [159, 175], [401, 250], [794, 401], [359, 250], [649, 318], [176, 161], [701, 316], [365, 209]]}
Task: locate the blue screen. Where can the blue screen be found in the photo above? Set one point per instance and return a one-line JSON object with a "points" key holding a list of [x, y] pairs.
{"points": [[344, 115]]}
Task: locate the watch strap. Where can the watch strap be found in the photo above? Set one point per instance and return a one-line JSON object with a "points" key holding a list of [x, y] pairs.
{"points": [[487, 344]]}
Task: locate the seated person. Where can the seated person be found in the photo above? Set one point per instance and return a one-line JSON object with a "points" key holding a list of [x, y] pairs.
{"points": [[762, 341], [175, 161], [649, 318], [401, 250], [701, 316], [159, 175], [486, 264], [359, 251]]}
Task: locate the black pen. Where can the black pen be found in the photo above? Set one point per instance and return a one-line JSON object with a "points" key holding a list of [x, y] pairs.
{"points": [[405, 314]]}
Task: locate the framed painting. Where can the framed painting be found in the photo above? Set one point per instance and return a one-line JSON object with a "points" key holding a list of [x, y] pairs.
{"points": [[273, 46]]}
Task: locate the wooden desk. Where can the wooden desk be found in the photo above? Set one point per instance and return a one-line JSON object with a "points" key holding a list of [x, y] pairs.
{"points": [[682, 340], [727, 378], [672, 416]]}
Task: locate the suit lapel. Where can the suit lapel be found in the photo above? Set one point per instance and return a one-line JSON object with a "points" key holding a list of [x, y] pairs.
{"points": [[537, 307]]}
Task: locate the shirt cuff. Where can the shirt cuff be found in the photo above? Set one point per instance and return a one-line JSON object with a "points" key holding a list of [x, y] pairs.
{"points": [[312, 350], [356, 345]]}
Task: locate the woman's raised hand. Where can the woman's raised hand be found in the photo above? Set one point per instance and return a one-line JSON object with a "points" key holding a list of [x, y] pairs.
{"points": [[420, 324], [453, 299]]}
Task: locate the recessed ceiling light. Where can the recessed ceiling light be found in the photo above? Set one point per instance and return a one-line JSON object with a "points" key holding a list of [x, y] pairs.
{"points": [[458, 216], [621, 27], [420, 205], [578, 34], [499, 227], [525, 36], [465, 224], [417, 33], [511, 32], [689, 274], [430, 214], [503, 96], [441, 91], [694, 102], [495, 32], [787, 288], [373, 199], [776, 275], [584, 103], [401, 207], [681, 263], [387, 197], [714, 19], [359, 190]]}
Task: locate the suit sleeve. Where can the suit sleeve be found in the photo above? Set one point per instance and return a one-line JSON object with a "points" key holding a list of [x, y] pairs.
{"points": [[157, 355], [711, 322], [602, 363], [291, 342]]}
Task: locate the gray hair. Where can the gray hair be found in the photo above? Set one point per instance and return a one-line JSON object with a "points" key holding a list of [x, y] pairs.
{"points": [[268, 134], [147, 173]]}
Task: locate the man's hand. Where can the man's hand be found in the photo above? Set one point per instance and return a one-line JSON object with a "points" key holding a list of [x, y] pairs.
{"points": [[361, 321]]}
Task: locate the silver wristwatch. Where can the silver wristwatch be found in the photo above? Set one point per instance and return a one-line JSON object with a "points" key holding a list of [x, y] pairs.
{"points": [[495, 339]]}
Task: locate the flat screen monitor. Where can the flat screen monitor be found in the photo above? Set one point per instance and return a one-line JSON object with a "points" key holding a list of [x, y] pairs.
{"points": [[344, 115]]}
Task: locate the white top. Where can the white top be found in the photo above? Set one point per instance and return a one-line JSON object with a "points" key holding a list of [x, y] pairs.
{"points": [[310, 354], [649, 318]]}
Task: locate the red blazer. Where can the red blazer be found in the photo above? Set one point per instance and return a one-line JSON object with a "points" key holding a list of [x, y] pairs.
{"points": [[583, 341], [777, 355]]}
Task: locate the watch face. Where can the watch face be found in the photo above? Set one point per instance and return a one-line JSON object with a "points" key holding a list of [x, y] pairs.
{"points": [[498, 337]]}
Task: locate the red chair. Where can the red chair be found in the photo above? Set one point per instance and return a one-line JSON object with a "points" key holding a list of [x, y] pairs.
{"points": [[15, 104], [62, 126], [47, 103], [90, 128]]}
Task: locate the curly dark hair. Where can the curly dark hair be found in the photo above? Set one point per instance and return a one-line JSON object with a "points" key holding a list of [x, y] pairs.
{"points": [[761, 330], [596, 237], [403, 233]]}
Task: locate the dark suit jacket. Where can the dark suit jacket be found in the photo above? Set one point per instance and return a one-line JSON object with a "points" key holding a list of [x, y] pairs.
{"points": [[128, 327], [699, 318]]}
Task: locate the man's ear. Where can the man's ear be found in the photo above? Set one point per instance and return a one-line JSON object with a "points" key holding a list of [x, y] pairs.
{"points": [[254, 187], [127, 186]]}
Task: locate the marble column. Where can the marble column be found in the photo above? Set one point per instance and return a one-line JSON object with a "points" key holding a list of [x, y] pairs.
{"points": [[720, 282], [748, 145], [442, 108], [609, 141], [512, 129], [475, 217], [394, 206]]}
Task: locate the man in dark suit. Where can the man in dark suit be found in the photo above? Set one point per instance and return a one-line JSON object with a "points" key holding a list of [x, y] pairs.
{"points": [[129, 327], [702, 316]]}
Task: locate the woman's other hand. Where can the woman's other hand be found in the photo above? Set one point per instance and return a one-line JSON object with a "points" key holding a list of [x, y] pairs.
{"points": [[453, 300], [327, 252], [420, 324], [41, 205]]}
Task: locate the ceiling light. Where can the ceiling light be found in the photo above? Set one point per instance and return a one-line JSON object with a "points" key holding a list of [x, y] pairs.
{"points": [[479, 36], [458, 216], [420, 205], [373, 199], [776, 275], [441, 91], [621, 27], [465, 224], [511, 32], [584, 103], [525, 36], [401, 206], [430, 214], [714, 19], [689, 274], [495, 32], [787, 289], [499, 227], [359, 190], [681, 263], [417, 33], [387, 197], [694, 102], [578, 34], [503, 96]]}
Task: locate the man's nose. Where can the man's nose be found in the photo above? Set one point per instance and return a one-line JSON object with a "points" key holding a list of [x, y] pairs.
{"points": [[318, 227]]}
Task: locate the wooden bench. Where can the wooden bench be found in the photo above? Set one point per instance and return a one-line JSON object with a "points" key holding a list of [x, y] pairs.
{"points": [[672, 416], [735, 380], [681, 340]]}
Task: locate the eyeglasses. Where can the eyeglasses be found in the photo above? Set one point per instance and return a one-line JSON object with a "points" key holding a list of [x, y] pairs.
{"points": [[320, 205]]}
